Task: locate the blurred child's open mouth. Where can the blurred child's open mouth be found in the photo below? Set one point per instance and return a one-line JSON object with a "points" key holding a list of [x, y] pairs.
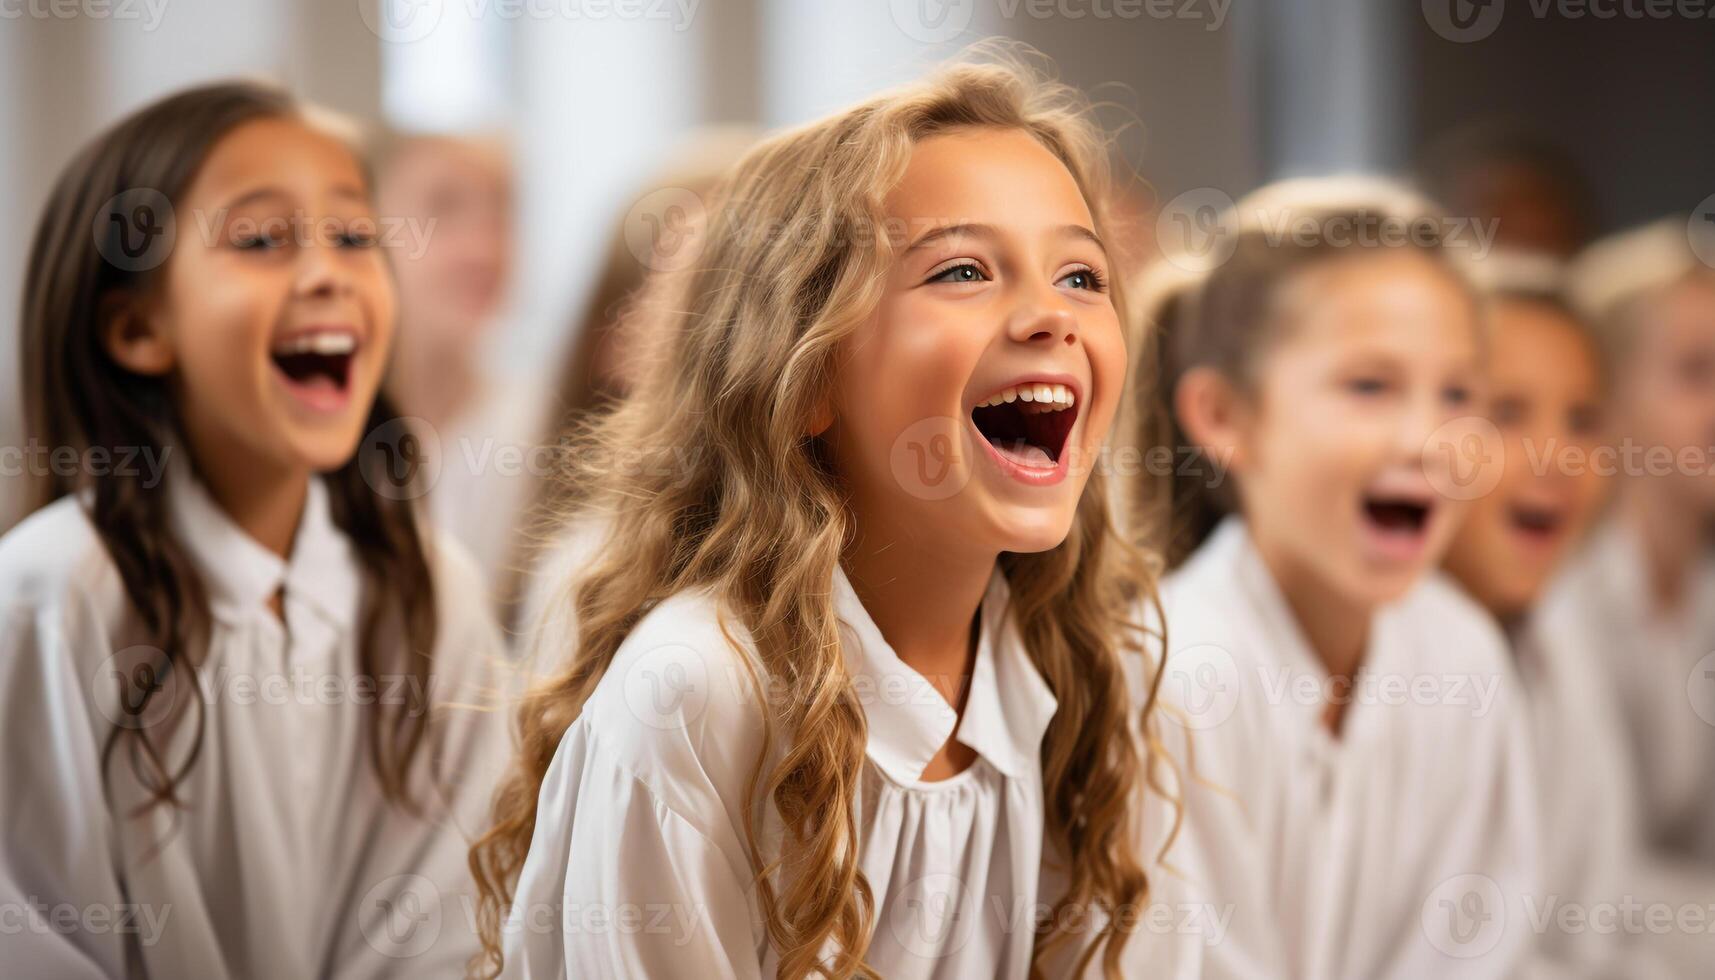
{"points": [[1396, 526], [315, 366], [1536, 525], [1026, 427]]}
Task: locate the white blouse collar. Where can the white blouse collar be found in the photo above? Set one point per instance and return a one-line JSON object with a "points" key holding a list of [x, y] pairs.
{"points": [[240, 574], [1007, 708]]}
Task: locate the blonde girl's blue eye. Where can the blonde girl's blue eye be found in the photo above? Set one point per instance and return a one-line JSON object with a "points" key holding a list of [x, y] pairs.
{"points": [[1086, 278], [961, 272]]}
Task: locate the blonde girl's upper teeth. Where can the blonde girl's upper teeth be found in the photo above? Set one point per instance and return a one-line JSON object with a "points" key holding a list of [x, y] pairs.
{"points": [[1057, 395]]}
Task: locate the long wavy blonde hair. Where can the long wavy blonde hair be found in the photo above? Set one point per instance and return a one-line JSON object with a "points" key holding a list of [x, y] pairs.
{"points": [[746, 342]]}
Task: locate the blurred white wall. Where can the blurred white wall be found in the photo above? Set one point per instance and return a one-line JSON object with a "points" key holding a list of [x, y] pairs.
{"points": [[820, 57], [600, 104]]}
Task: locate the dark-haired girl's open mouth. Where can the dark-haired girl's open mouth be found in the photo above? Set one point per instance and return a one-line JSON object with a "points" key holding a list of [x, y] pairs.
{"points": [[315, 366]]}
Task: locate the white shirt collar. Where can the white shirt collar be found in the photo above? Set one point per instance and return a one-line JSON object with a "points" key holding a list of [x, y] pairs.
{"points": [[240, 574], [1007, 708], [1232, 547]]}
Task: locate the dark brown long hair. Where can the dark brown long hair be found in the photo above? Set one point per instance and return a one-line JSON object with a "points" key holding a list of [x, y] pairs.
{"points": [[1220, 310], [76, 396]]}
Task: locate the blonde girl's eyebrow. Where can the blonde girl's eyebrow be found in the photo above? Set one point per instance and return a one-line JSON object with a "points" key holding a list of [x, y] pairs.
{"points": [[1080, 232], [952, 231], [977, 230]]}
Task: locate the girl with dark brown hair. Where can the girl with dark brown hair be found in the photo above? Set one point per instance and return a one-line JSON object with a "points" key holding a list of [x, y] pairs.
{"points": [[228, 644]]}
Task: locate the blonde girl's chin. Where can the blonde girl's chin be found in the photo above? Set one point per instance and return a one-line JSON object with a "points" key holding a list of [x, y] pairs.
{"points": [[1032, 534]]}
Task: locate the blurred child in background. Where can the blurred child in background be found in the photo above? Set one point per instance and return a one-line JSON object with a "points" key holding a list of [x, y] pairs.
{"points": [[1526, 183], [1642, 595], [1547, 392], [478, 430], [1358, 755]]}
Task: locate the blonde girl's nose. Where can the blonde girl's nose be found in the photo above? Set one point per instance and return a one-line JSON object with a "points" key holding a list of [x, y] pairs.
{"points": [[1037, 321]]}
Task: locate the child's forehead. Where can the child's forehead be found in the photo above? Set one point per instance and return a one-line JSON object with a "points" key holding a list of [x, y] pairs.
{"points": [[986, 175], [1533, 342], [286, 154], [1688, 306], [1386, 297]]}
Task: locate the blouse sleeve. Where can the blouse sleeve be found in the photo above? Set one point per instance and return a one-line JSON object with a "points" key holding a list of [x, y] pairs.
{"points": [[58, 887], [619, 883]]}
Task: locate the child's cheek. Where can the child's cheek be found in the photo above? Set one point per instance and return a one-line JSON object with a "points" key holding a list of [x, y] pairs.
{"points": [[929, 362]]}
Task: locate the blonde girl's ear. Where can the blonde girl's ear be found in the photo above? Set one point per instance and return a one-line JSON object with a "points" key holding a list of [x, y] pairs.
{"points": [[131, 337], [821, 419], [1213, 415]]}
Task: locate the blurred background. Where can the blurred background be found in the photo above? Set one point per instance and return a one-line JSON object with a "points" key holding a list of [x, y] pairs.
{"points": [[1593, 113]]}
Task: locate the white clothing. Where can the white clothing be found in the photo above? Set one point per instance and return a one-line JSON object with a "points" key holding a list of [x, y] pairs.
{"points": [[1590, 838], [641, 813], [1661, 671], [287, 860], [1387, 852]]}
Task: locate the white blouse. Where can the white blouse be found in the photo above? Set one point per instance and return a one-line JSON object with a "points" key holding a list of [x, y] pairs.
{"points": [[639, 864], [1590, 848], [1661, 670], [1396, 849], [1634, 744], [287, 861]]}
